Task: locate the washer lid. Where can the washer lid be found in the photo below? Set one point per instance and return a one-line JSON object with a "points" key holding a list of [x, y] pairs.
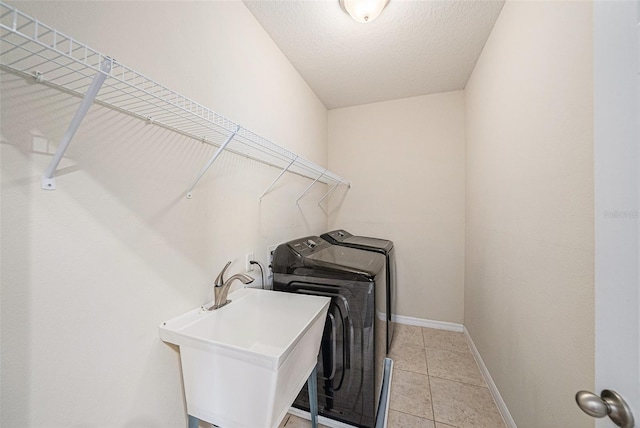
{"points": [[347, 259]]}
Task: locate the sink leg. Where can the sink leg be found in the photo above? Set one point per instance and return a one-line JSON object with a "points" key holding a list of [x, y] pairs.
{"points": [[193, 421], [312, 386]]}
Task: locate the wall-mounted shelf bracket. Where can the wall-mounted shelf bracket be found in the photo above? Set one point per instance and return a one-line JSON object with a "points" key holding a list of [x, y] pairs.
{"points": [[278, 177], [326, 195], [49, 180], [212, 160], [311, 185]]}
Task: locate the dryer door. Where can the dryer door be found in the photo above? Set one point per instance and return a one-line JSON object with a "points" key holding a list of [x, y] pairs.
{"points": [[341, 360]]}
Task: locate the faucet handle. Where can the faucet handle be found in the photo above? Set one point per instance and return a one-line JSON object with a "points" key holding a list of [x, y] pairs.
{"points": [[219, 279]]}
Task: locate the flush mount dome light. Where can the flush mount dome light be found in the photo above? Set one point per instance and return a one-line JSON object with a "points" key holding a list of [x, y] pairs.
{"points": [[363, 10]]}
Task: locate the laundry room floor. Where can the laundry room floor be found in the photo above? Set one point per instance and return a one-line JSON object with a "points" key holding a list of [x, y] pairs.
{"points": [[436, 384]]}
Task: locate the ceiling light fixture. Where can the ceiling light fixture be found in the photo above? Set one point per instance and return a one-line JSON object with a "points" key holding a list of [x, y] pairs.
{"points": [[363, 10]]}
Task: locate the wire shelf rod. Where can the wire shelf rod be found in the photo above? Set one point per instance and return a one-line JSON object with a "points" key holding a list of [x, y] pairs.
{"points": [[211, 161], [277, 178], [326, 195], [310, 186]]}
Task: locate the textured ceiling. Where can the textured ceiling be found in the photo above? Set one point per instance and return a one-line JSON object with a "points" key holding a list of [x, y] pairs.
{"points": [[414, 47]]}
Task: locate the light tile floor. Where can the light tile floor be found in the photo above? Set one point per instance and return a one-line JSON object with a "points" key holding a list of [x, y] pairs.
{"points": [[436, 384]]}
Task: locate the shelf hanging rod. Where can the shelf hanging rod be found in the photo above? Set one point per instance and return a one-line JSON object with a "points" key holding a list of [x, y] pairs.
{"points": [[212, 160], [310, 186], [278, 177], [326, 195], [48, 180]]}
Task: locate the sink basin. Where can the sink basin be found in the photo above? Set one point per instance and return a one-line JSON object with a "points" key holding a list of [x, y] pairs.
{"points": [[244, 364]]}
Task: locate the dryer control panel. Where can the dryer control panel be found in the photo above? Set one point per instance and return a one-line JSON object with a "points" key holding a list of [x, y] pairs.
{"points": [[336, 236]]}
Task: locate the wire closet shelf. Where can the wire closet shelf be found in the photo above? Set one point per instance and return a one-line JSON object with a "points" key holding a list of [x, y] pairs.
{"points": [[30, 48]]}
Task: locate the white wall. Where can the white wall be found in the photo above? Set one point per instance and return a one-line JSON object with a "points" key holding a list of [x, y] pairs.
{"points": [[529, 278], [91, 269], [405, 159]]}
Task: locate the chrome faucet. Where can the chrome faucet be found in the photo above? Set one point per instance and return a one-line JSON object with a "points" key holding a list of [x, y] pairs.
{"points": [[221, 287]]}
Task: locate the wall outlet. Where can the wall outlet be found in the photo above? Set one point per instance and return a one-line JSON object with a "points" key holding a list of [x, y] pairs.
{"points": [[270, 250], [248, 267]]}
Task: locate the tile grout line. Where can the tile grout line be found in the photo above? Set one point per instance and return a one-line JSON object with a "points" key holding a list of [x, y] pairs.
{"points": [[460, 382], [433, 410], [468, 352], [415, 416]]}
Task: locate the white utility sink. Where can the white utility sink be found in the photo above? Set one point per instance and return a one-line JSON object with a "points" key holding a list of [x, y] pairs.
{"points": [[244, 364]]}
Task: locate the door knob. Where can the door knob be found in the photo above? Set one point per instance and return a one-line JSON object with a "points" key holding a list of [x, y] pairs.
{"points": [[610, 403]]}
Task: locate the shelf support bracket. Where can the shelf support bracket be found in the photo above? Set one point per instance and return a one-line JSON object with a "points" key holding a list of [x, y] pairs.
{"points": [[278, 177], [49, 180], [311, 185], [212, 160], [326, 195]]}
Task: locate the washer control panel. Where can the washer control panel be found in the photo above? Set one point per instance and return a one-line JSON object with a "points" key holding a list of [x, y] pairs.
{"points": [[308, 245]]}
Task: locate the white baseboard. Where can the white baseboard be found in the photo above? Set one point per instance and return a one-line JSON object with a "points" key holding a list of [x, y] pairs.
{"points": [[440, 325], [502, 407]]}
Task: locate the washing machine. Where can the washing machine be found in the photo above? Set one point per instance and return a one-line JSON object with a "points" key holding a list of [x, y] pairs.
{"points": [[352, 350], [376, 245]]}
